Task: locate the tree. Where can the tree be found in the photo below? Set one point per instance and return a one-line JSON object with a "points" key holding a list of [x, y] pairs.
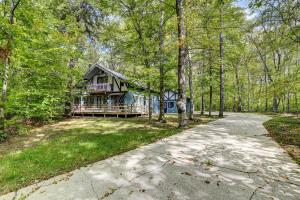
{"points": [[181, 103], [222, 89]]}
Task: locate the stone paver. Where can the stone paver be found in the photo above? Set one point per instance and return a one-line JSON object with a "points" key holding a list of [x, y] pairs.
{"points": [[231, 158]]}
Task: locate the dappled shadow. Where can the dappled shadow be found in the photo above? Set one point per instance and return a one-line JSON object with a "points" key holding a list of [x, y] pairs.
{"points": [[227, 159]]}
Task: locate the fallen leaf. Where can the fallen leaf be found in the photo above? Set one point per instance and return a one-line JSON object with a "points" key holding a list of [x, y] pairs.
{"points": [[186, 173]]}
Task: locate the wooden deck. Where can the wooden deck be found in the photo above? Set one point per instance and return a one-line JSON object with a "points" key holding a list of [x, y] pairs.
{"points": [[123, 111]]}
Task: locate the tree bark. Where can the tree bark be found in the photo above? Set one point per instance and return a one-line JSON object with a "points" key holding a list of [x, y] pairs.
{"points": [[266, 91], [249, 88], [277, 65], [202, 91], [210, 87], [239, 107], [222, 63], [276, 102], [181, 102], [259, 95], [161, 117], [192, 107]]}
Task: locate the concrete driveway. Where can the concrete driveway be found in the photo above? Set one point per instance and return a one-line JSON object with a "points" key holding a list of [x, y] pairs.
{"points": [[231, 158]]}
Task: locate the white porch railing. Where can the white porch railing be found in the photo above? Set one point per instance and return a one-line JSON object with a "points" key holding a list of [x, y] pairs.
{"points": [[110, 108]]}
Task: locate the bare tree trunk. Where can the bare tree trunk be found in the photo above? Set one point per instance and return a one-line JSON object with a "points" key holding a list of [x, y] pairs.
{"points": [[161, 117], [266, 91], [249, 88], [276, 102], [191, 114], [210, 77], [202, 91], [210, 89], [259, 96], [222, 63], [239, 107], [181, 102], [149, 103]]}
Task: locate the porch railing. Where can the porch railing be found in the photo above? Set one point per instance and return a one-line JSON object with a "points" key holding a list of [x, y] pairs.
{"points": [[110, 108], [103, 87]]}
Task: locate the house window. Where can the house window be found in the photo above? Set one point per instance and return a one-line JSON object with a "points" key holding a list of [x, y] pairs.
{"points": [[122, 84], [103, 79], [171, 104]]}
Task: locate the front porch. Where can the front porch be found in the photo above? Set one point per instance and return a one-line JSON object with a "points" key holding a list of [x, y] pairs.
{"points": [[105, 110]]}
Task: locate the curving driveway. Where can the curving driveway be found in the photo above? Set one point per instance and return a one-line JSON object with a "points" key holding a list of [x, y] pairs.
{"points": [[231, 158]]}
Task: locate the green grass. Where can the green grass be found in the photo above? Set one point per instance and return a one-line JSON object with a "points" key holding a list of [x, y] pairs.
{"points": [[73, 143], [286, 131]]}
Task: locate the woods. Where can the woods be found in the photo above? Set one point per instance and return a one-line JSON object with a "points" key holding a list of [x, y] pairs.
{"points": [[222, 56]]}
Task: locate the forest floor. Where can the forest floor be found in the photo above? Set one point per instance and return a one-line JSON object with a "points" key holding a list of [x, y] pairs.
{"points": [[58, 148], [286, 131], [229, 158]]}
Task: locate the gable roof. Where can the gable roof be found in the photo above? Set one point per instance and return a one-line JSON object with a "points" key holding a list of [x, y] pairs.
{"points": [[111, 72]]}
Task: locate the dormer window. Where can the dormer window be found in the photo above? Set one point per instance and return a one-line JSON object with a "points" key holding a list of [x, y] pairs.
{"points": [[122, 84]]}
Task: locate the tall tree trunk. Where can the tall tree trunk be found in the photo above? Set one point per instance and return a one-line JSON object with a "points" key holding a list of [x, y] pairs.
{"points": [[149, 103], [181, 102], [239, 107], [259, 95], [277, 65], [191, 114], [276, 102], [161, 117], [222, 62], [283, 103], [210, 66], [202, 91], [266, 91], [249, 89], [210, 90]]}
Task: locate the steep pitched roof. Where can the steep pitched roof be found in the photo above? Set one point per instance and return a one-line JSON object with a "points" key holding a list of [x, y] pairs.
{"points": [[111, 72], [93, 70]]}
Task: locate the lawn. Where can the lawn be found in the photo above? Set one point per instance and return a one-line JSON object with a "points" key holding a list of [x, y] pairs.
{"points": [[286, 131], [62, 147]]}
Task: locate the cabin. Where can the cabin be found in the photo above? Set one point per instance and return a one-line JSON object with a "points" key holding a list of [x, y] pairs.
{"points": [[170, 99], [106, 92]]}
